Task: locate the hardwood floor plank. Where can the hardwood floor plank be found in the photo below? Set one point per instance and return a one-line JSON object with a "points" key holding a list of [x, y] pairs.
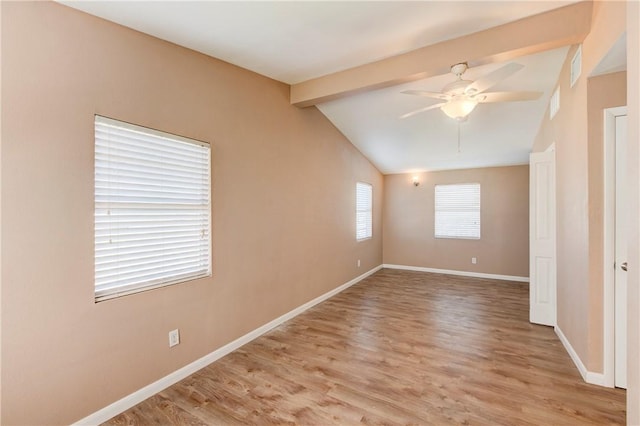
{"points": [[400, 347]]}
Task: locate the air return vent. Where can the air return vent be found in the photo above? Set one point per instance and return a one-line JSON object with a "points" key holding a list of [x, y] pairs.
{"points": [[554, 103], [576, 66]]}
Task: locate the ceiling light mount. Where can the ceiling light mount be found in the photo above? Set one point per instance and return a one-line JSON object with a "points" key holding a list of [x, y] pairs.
{"points": [[459, 69]]}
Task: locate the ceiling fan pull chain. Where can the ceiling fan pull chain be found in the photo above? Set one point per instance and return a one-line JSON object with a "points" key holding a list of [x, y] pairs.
{"points": [[458, 137]]}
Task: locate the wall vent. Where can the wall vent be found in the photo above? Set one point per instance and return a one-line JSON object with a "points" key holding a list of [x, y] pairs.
{"points": [[576, 66], [554, 103]]}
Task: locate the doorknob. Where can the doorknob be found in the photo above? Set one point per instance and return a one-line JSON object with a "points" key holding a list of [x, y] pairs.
{"points": [[624, 266]]}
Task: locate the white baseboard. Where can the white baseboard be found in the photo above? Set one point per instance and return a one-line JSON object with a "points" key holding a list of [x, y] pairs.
{"points": [[587, 376], [461, 273], [596, 379], [572, 353], [140, 395]]}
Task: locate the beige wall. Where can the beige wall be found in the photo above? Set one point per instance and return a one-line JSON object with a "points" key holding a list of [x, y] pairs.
{"points": [[605, 91], [503, 248], [579, 188], [633, 139], [283, 209]]}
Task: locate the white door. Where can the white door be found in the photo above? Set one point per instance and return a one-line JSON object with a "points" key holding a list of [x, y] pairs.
{"points": [[542, 238], [620, 286]]}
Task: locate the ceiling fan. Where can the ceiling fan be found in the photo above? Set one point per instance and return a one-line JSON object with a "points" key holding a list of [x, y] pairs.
{"points": [[462, 96]]}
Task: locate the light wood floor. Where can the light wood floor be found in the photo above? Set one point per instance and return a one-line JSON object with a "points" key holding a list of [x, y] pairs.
{"points": [[398, 348]]}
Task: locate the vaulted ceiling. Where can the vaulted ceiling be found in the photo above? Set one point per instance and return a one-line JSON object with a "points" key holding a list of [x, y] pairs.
{"points": [[352, 60]]}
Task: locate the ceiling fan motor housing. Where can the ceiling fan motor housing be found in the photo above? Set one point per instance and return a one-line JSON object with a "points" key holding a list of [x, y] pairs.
{"points": [[459, 69], [457, 87]]}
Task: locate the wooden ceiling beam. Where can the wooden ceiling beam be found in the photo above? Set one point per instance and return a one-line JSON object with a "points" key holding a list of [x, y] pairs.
{"points": [[560, 27]]}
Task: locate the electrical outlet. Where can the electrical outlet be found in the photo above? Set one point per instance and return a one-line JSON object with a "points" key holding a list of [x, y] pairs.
{"points": [[358, 263], [474, 260], [174, 338]]}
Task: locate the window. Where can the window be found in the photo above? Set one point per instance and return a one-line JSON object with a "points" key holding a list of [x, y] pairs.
{"points": [[364, 218], [457, 211], [152, 209], [554, 103]]}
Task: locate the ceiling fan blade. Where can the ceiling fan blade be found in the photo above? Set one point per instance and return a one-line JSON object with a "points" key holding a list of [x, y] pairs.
{"points": [[418, 111], [426, 94], [508, 96], [492, 78]]}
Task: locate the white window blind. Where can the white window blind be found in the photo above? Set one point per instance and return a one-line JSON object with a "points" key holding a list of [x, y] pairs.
{"points": [[152, 209], [457, 211], [364, 219]]}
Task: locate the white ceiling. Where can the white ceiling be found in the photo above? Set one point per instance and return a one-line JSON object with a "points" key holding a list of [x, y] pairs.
{"points": [[615, 60], [294, 41]]}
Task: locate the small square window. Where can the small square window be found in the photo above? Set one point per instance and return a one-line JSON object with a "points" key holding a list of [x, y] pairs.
{"points": [[457, 211]]}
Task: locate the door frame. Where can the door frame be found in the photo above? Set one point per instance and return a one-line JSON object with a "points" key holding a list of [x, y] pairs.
{"points": [[608, 301]]}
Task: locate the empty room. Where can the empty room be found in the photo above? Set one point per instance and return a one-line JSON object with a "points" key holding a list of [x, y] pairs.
{"points": [[319, 212]]}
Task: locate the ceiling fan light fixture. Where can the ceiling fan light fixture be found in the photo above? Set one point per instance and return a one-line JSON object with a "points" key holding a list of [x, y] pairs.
{"points": [[459, 108]]}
